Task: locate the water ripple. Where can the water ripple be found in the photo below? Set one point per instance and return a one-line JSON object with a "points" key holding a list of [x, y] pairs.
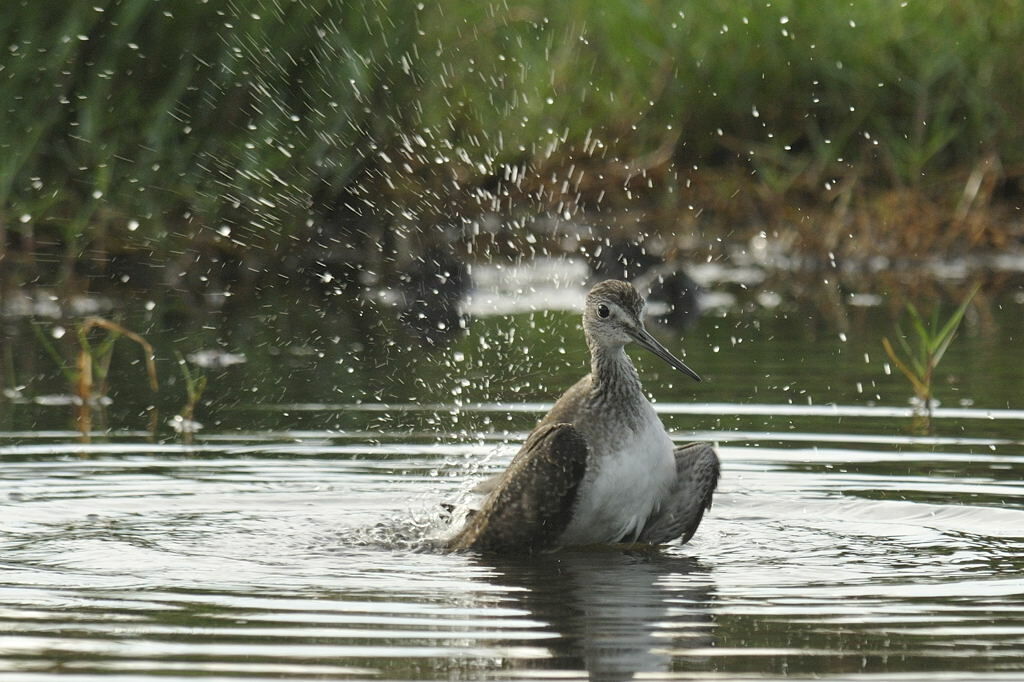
{"points": [[301, 555]]}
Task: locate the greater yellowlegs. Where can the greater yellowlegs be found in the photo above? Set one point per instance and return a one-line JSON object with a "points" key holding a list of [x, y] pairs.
{"points": [[599, 467]]}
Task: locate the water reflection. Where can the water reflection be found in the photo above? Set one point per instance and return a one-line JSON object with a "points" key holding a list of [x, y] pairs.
{"points": [[615, 613]]}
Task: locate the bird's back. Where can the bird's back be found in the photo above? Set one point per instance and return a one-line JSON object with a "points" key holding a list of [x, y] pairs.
{"points": [[570, 406]]}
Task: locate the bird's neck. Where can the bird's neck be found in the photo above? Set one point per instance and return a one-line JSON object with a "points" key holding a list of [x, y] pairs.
{"points": [[613, 372]]}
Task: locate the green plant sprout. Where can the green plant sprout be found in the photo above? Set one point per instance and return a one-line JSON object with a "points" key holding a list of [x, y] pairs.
{"points": [[195, 384], [919, 361], [88, 371]]}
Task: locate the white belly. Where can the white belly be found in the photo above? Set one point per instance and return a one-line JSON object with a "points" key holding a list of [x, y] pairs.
{"points": [[627, 480]]}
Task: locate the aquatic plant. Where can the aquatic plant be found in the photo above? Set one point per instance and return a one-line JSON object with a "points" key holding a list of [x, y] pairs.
{"points": [[195, 384], [88, 370], [918, 360]]}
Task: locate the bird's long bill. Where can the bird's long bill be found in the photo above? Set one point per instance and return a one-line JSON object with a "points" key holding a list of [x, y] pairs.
{"points": [[651, 344]]}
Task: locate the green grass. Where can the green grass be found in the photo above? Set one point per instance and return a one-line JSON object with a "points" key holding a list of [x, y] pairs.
{"points": [[918, 358], [149, 124]]}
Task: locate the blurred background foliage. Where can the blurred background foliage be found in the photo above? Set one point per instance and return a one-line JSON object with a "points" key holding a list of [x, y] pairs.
{"points": [[152, 126]]}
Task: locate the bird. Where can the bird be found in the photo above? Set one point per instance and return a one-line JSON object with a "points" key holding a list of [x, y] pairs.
{"points": [[599, 468]]}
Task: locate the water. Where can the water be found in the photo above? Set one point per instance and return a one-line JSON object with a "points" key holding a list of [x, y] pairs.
{"points": [[302, 556], [292, 539]]}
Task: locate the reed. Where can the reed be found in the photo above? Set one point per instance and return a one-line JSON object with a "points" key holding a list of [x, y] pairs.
{"points": [[86, 367], [195, 384]]}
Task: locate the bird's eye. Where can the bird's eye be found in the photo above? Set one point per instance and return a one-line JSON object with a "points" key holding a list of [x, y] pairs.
{"points": [[602, 310]]}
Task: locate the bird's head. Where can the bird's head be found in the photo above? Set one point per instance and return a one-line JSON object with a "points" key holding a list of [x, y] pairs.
{"points": [[613, 317]]}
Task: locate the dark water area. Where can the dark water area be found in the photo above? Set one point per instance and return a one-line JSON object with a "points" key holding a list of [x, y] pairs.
{"points": [[517, 339], [291, 539]]}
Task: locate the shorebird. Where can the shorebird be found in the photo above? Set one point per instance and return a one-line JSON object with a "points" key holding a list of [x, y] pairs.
{"points": [[599, 468]]}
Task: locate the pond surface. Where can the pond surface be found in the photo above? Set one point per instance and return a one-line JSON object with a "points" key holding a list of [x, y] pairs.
{"points": [[290, 540]]}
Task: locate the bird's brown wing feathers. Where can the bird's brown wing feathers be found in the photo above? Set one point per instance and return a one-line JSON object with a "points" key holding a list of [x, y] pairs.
{"points": [[697, 471], [532, 503]]}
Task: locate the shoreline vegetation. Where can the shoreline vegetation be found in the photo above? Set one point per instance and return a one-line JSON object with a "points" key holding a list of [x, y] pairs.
{"points": [[335, 139]]}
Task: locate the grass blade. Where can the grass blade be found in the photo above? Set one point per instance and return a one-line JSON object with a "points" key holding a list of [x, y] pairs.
{"points": [[920, 388], [949, 330]]}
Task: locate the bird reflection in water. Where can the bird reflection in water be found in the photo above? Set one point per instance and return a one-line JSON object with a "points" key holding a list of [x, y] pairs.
{"points": [[611, 613]]}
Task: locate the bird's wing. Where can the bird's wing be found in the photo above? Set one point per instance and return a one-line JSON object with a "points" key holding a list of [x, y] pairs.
{"points": [[697, 471], [565, 411], [532, 503]]}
